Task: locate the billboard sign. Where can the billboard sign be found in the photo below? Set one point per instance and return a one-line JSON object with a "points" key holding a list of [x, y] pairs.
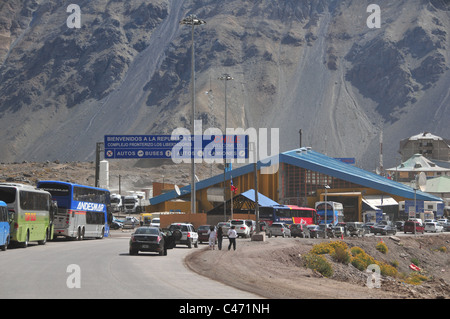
{"points": [[162, 146]]}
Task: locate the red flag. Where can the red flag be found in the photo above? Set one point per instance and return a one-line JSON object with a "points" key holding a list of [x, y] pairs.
{"points": [[233, 188]]}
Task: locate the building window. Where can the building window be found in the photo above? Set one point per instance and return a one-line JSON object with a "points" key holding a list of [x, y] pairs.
{"points": [[299, 183]]}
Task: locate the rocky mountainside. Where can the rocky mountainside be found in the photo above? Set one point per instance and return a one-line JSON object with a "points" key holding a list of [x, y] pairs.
{"points": [[313, 65]]}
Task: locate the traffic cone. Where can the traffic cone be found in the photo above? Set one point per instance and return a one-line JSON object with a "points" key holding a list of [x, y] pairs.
{"points": [[342, 236]]}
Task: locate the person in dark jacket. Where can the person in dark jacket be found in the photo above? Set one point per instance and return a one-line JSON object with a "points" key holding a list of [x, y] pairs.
{"points": [[219, 237]]}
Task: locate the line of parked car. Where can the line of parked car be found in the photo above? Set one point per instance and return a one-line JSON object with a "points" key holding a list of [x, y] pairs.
{"points": [[358, 229], [131, 222], [153, 239], [428, 225]]}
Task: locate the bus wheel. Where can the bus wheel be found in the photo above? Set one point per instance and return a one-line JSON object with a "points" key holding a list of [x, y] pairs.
{"points": [[5, 246], [44, 241], [80, 234], [25, 243], [102, 234]]}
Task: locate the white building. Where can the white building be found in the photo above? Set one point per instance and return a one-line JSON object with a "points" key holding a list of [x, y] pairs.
{"points": [[407, 171], [426, 144]]}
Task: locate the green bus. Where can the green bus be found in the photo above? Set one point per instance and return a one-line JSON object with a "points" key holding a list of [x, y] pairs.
{"points": [[32, 212]]}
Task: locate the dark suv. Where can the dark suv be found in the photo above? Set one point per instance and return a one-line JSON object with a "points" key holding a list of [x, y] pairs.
{"points": [[300, 230]]}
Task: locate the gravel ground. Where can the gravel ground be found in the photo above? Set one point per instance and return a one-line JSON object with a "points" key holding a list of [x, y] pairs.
{"points": [[274, 268]]}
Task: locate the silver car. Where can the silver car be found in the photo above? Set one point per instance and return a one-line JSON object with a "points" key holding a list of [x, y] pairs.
{"points": [[225, 227], [279, 229]]}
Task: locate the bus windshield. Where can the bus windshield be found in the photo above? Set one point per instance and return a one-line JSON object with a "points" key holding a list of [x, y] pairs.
{"points": [[334, 212]]}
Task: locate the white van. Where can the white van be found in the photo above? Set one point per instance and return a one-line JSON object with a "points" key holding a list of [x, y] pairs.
{"points": [[156, 222]]}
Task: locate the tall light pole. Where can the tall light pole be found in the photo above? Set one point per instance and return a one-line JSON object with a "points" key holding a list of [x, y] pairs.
{"points": [[225, 77], [326, 204], [193, 21]]}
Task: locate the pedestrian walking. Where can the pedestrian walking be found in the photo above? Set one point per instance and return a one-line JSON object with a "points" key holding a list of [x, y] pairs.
{"points": [[232, 235], [212, 237], [219, 237]]}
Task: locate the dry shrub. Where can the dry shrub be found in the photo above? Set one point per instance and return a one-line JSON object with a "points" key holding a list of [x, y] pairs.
{"points": [[415, 279], [382, 247], [319, 264], [341, 255], [328, 247]]}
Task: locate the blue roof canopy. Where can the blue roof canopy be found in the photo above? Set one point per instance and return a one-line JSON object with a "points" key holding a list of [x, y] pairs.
{"points": [[318, 162], [314, 161], [262, 200]]}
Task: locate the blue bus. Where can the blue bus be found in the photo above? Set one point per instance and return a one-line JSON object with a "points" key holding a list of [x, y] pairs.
{"points": [[4, 226], [83, 211], [335, 212]]}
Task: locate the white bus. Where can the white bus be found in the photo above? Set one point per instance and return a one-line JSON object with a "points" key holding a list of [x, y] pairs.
{"points": [[335, 212], [83, 211], [32, 212]]}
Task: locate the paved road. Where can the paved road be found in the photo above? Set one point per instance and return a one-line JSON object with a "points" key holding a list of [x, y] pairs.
{"points": [[106, 271]]}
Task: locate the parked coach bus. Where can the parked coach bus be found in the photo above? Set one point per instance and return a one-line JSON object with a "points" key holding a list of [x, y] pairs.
{"points": [[289, 214], [31, 212], [83, 211]]}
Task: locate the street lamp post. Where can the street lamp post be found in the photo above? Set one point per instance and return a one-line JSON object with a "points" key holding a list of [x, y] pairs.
{"points": [[226, 78], [326, 193], [193, 21]]}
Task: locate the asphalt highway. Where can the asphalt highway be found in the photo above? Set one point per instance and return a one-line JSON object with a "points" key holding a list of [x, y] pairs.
{"points": [[103, 269]]}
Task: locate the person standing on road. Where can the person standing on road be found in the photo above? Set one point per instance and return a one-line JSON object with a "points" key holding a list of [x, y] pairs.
{"points": [[219, 237], [232, 235], [212, 237]]}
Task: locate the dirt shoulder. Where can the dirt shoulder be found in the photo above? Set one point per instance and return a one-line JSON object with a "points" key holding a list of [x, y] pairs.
{"points": [[274, 268]]}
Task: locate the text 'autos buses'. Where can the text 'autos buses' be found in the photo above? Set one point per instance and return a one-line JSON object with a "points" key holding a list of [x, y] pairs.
{"points": [[83, 211], [31, 213]]}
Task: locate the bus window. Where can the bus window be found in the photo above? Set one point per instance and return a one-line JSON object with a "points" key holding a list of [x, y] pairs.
{"points": [[8, 194]]}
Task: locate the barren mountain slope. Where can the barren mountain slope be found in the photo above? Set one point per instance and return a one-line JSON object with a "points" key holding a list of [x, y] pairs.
{"points": [[313, 65]]}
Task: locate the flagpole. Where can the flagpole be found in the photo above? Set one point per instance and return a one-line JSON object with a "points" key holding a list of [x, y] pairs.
{"points": [[231, 193]]}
